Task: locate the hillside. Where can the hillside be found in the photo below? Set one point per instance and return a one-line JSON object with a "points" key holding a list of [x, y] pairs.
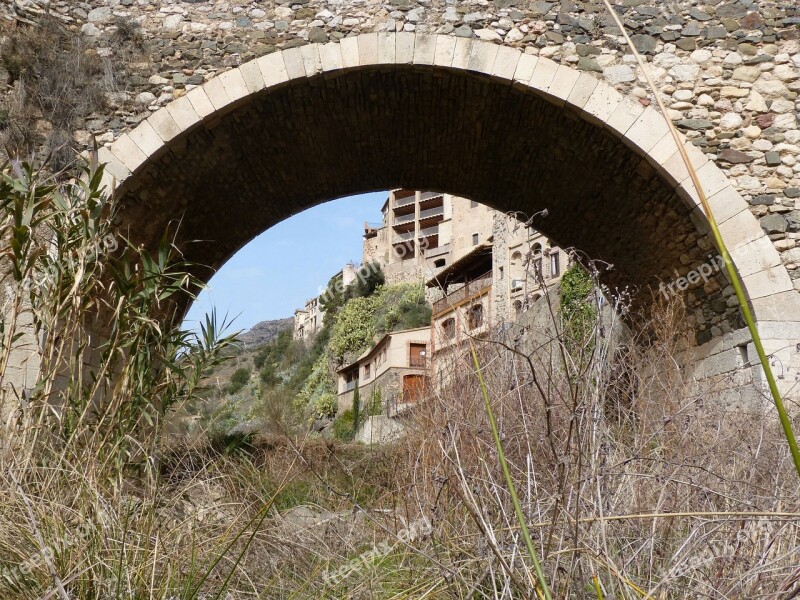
{"points": [[275, 383], [264, 332]]}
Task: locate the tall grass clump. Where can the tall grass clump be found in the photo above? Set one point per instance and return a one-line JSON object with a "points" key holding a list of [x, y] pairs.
{"points": [[90, 366]]}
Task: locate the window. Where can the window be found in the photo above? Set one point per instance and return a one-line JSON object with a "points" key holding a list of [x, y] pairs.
{"points": [[476, 239], [366, 370], [500, 273], [475, 316], [555, 266], [439, 263], [537, 260], [517, 307], [473, 204], [449, 329], [417, 355]]}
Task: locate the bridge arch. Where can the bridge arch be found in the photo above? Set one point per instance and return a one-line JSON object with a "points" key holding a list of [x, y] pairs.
{"points": [[518, 132]]}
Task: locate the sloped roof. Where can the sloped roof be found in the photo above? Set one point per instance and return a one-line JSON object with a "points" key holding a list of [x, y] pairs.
{"points": [[476, 262]]}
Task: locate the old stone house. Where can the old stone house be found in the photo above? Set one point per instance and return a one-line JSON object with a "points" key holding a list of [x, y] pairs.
{"points": [[394, 372]]}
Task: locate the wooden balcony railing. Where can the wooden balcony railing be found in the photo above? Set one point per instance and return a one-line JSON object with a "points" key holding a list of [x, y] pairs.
{"points": [[471, 287]]}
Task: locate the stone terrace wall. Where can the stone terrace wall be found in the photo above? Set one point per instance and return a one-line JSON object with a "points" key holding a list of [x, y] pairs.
{"points": [[728, 71]]}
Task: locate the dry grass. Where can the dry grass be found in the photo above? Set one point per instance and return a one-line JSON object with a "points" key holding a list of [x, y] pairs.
{"points": [[633, 484], [58, 81]]}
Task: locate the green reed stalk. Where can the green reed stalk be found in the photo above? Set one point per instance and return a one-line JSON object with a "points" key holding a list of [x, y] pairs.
{"points": [[509, 482], [733, 273]]}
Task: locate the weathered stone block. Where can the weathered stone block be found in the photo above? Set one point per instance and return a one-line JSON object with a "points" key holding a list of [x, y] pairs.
{"points": [[601, 104], [646, 132], [562, 84], [234, 84], [273, 69], [183, 113], [505, 64], [216, 93], [482, 56], [330, 56], [128, 153], [582, 90], [623, 118], [525, 68], [462, 53], [349, 47], [543, 74], [252, 76], [146, 138], [164, 125], [368, 49], [200, 102]]}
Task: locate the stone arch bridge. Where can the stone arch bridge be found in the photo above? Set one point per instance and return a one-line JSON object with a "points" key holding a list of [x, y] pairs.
{"points": [[254, 111]]}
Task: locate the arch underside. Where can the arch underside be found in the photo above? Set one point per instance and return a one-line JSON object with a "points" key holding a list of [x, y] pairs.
{"points": [[284, 150]]}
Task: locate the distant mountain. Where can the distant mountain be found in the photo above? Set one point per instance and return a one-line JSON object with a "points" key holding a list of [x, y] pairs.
{"points": [[264, 332]]}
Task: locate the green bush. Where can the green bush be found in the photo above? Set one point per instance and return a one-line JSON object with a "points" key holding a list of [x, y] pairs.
{"points": [[356, 411], [238, 380], [578, 310], [268, 376], [376, 404], [344, 426], [325, 406]]}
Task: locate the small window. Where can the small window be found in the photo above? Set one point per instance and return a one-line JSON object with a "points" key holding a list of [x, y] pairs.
{"points": [[439, 263], [476, 239], [500, 273], [555, 266], [473, 204], [449, 329], [537, 260], [517, 307], [366, 370], [475, 316]]}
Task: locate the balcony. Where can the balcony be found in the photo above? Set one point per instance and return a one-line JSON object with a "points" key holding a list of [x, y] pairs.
{"points": [[407, 201], [404, 219], [350, 385], [429, 231], [417, 361], [472, 287], [434, 252], [429, 195], [399, 238], [437, 211]]}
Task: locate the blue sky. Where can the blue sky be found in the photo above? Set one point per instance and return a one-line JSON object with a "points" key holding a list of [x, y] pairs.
{"points": [[276, 272]]}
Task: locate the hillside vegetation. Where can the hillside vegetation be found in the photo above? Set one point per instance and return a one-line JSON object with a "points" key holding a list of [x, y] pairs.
{"points": [[286, 385]]}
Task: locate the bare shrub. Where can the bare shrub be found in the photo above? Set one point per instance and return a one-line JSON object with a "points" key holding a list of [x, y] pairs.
{"points": [[627, 473]]}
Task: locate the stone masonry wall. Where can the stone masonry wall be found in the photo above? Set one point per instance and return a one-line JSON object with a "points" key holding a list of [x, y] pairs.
{"points": [[729, 71]]}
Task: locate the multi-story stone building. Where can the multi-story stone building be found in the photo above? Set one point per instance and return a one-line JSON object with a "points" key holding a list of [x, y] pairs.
{"points": [[308, 320], [489, 286], [422, 232]]}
